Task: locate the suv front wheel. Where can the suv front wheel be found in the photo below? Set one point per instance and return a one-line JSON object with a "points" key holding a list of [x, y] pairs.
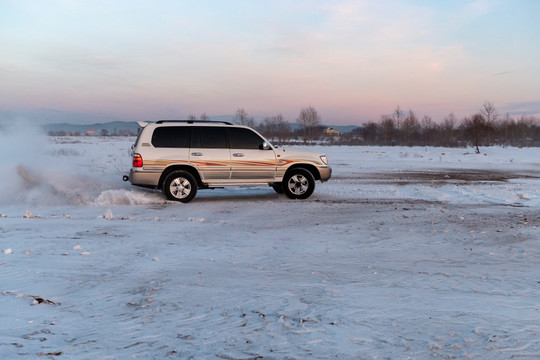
{"points": [[180, 186], [298, 183]]}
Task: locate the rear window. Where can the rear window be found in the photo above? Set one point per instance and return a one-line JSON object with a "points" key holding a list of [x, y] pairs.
{"points": [[171, 136]]}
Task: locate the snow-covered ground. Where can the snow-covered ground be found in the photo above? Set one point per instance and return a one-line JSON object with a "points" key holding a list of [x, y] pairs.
{"points": [[406, 253]]}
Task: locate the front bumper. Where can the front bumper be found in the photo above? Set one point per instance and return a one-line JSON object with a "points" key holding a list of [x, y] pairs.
{"points": [[326, 173]]}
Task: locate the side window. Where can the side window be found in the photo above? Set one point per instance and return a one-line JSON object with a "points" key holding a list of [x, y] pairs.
{"points": [[241, 138], [171, 136], [196, 137], [213, 137]]}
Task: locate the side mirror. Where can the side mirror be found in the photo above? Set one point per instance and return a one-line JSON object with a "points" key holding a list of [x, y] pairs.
{"points": [[265, 146]]}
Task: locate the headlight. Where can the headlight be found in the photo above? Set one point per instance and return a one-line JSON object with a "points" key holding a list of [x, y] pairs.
{"points": [[324, 159]]}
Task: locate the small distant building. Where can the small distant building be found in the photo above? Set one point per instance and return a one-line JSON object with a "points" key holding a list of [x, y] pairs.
{"points": [[331, 132], [91, 132]]}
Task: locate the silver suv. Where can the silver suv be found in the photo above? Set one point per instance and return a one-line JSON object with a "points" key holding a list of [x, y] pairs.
{"points": [[181, 156]]}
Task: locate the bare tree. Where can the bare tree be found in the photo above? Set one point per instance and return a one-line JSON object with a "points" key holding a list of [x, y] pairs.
{"points": [[505, 125], [192, 117], [398, 116], [429, 130], [276, 127], [268, 127], [449, 122], [243, 118], [475, 130], [370, 133], [283, 127], [427, 122], [525, 127], [410, 127], [309, 119], [448, 126], [490, 115], [389, 127], [204, 117], [489, 112]]}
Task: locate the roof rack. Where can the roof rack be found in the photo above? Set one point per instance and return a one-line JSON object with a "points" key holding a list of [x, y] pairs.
{"points": [[193, 121]]}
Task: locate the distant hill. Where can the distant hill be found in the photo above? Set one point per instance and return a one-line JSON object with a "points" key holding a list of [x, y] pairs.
{"points": [[108, 128]]}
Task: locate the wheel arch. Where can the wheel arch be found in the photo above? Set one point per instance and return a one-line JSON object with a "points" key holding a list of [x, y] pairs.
{"points": [[309, 167], [172, 168]]}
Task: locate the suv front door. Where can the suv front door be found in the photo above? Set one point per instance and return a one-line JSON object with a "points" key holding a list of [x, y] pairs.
{"points": [[249, 162]]}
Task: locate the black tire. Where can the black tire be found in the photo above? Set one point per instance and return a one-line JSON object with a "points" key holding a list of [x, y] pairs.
{"points": [[180, 186], [278, 187], [298, 183]]}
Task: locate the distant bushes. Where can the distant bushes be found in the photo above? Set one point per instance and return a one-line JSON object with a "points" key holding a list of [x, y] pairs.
{"points": [[474, 131]]}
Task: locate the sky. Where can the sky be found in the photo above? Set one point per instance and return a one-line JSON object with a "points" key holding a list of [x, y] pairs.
{"points": [[85, 61]]}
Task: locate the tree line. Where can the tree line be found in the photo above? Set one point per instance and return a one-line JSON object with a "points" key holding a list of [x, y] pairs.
{"points": [[405, 128], [484, 128]]}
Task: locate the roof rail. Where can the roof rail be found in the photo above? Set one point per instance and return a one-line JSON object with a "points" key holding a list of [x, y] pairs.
{"points": [[193, 121]]}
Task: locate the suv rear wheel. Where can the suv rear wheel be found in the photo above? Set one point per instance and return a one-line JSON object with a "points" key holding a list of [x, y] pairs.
{"points": [[298, 183], [180, 186]]}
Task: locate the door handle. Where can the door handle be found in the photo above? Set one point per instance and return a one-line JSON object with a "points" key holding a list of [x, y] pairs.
{"points": [[238, 155], [196, 154]]}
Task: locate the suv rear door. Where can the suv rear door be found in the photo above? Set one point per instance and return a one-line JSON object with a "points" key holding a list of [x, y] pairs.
{"points": [[249, 162], [210, 154]]}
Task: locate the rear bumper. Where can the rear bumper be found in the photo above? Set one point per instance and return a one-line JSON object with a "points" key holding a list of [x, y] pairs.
{"points": [[140, 178]]}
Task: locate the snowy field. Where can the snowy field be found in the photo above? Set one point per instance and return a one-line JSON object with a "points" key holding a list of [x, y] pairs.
{"points": [[406, 253]]}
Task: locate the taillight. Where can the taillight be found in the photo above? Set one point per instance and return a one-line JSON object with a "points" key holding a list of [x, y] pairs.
{"points": [[137, 160]]}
